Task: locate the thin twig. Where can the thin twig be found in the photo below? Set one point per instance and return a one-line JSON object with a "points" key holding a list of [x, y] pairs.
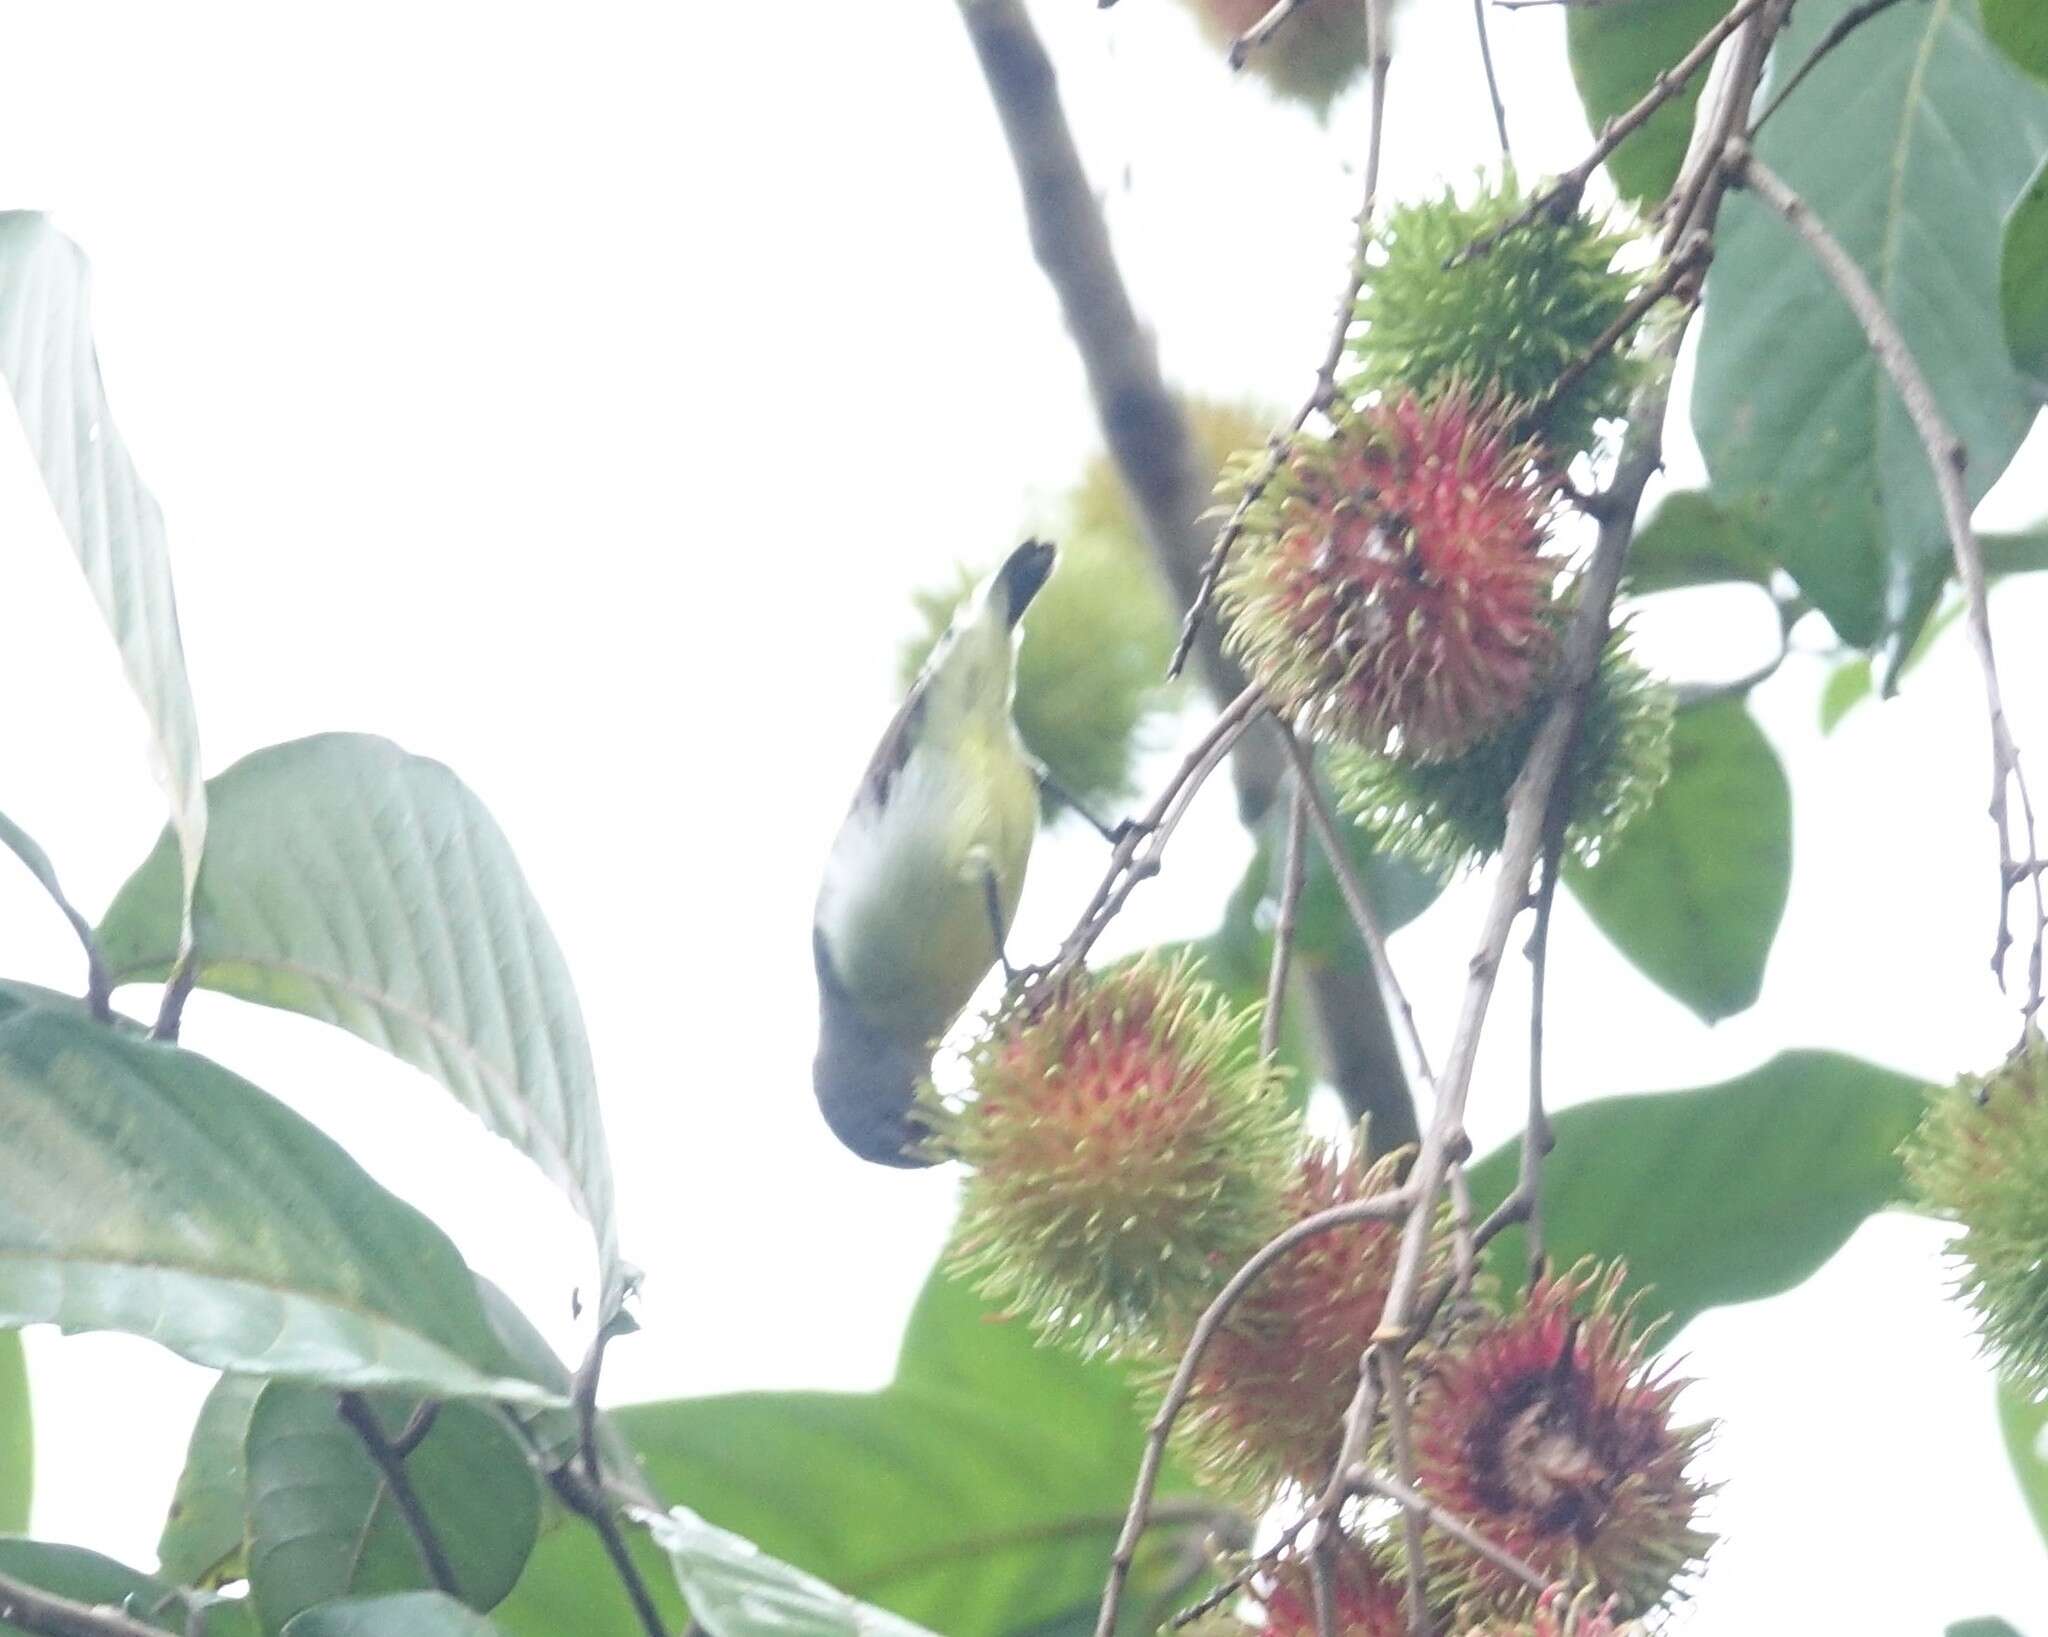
{"points": [[170, 1012], [1694, 204], [1218, 1595], [30, 1608], [1538, 1137], [1352, 891], [362, 1420], [417, 1426], [1449, 1523], [1842, 27], [1381, 1208], [1948, 459], [1262, 31], [1679, 275], [1561, 197], [1464, 1243], [1396, 1389], [1500, 111], [588, 1502], [1324, 393], [1294, 875]]}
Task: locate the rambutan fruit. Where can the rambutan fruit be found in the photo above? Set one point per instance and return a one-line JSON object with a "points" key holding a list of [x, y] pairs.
{"points": [[1319, 51], [1549, 1429], [1560, 1612], [1511, 321], [1364, 1587], [1450, 813], [1128, 1151], [1980, 1159], [1390, 587], [1268, 1401]]}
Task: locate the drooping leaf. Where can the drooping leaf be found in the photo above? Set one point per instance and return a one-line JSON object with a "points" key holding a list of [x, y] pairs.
{"points": [[734, 1589], [2024, 1424], [113, 522], [1909, 142], [206, 1529], [146, 1189], [99, 1582], [369, 888], [2020, 29], [1690, 539], [981, 1490], [17, 1437], [1847, 686], [1617, 52], [403, 1614], [1693, 891], [2023, 281], [1723, 1194], [1984, 1626], [324, 1523]]}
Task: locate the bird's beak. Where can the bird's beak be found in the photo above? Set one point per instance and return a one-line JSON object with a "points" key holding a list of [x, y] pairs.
{"points": [[1020, 577]]}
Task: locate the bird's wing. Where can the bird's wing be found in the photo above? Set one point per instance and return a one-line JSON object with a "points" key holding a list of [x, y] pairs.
{"points": [[894, 749]]}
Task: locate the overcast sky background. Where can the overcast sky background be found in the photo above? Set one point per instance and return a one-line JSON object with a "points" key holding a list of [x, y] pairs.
{"points": [[575, 394]]}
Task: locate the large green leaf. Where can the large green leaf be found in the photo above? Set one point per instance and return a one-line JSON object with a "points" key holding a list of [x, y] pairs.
{"points": [[981, 1491], [403, 1614], [2020, 27], [1616, 53], [206, 1530], [1723, 1194], [1693, 891], [1909, 142], [369, 888], [323, 1522], [17, 1437], [114, 523], [2023, 1420], [99, 1582], [1690, 539], [570, 1585], [2023, 281], [734, 1589], [1984, 1626], [146, 1189]]}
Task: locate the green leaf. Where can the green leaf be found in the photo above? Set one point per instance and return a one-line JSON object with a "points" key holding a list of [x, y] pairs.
{"points": [[17, 1437], [1617, 52], [2020, 30], [2023, 1421], [1691, 539], [983, 1489], [404, 1614], [114, 523], [1909, 142], [146, 1189], [323, 1522], [2025, 552], [2023, 281], [1984, 1626], [1723, 1194], [369, 888], [86, 1577], [570, 1585], [1693, 891], [1848, 685], [205, 1532], [734, 1589]]}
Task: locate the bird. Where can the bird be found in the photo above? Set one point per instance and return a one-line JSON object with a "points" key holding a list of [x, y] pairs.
{"points": [[925, 873]]}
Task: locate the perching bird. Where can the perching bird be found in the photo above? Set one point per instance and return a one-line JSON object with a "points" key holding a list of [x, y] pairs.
{"points": [[926, 870]]}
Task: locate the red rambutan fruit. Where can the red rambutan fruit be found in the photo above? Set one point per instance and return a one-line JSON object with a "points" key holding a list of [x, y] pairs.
{"points": [[1365, 1589], [1561, 1613], [1391, 586], [1268, 1400], [1129, 1150], [1549, 1430]]}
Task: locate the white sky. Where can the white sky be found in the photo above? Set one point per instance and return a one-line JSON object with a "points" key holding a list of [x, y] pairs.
{"points": [[575, 396]]}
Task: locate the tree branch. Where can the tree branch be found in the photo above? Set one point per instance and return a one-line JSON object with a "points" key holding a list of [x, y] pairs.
{"points": [[1947, 459], [1500, 111], [1294, 875], [588, 1501], [362, 1420], [48, 1615]]}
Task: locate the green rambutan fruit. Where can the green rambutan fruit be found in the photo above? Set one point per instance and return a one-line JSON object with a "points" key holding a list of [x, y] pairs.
{"points": [[1317, 53], [1128, 1151], [1510, 322], [1365, 1589], [1450, 813], [1980, 1158], [1549, 1429], [1268, 1401], [1390, 587]]}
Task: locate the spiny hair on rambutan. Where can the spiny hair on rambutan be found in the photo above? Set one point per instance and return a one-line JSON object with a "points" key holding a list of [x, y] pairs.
{"points": [[1551, 1430], [1128, 1150], [1319, 51], [1390, 586], [1561, 1612], [1268, 1399], [1513, 320], [1980, 1159], [1365, 1587], [1452, 813]]}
